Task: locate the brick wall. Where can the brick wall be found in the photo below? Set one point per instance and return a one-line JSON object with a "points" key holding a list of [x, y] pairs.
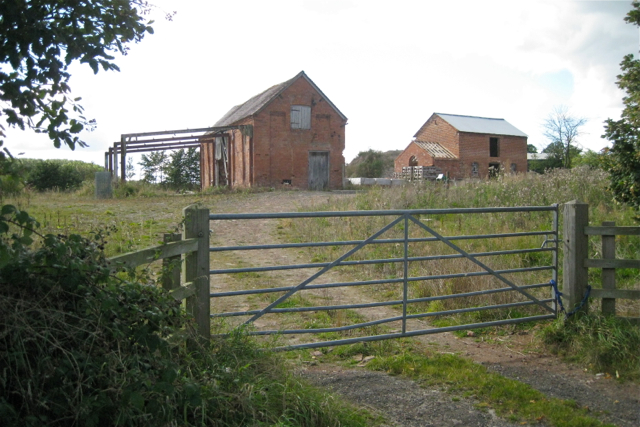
{"points": [[424, 158], [475, 148], [275, 153], [437, 130], [468, 147], [282, 154]]}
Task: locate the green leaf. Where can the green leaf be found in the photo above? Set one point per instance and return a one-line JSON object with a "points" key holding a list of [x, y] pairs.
{"points": [[137, 400]]}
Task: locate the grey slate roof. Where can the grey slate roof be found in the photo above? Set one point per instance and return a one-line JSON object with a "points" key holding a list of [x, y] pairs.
{"points": [[258, 102], [481, 125], [435, 150]]}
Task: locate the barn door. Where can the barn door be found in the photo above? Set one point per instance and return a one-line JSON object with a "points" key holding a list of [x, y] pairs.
{"points": [[318, 170]]}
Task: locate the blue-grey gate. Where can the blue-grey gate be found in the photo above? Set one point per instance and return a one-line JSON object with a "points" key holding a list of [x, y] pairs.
{"points": [[523, 281]]}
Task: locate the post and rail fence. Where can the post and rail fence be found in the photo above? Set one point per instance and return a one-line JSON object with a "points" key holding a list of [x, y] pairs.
{"points": [[577, 262], [186, 262], [185, 259]]}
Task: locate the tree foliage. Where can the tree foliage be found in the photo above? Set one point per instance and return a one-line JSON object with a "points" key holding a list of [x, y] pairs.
{"points": [[153, 167], [562, 129], [39, 41], [178, 170], [622, 160], [183, 170], [371, 165]]}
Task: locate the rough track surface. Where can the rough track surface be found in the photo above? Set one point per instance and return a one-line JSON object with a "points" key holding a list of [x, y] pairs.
{"points": [[403, 402]]}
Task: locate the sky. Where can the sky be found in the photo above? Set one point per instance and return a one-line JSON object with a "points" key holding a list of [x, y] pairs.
{"points": [[387, 65]]}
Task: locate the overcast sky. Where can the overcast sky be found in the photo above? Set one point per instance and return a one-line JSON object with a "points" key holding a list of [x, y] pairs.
{"points": [[387, 65]]}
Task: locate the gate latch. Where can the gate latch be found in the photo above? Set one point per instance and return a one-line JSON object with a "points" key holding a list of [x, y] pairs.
{"points": [[548, 240]]}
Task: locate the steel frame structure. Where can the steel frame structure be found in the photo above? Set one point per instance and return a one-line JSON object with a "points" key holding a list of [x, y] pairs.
{"points": [[115, 158]]}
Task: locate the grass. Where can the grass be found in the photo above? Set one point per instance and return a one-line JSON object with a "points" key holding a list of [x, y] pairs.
{"points": [[233, 384], [511, 399], [603, 343], [140, 223]]}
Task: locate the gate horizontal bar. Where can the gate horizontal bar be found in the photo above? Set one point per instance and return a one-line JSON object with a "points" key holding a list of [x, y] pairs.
{"points": [[414, 333], [375, 242], [383, 304], [473, 309], [374, 261], [393, 212], [387, 320], [375, 282]]}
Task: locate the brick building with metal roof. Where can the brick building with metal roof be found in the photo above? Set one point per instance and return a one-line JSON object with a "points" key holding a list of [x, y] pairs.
{"points": [[465, 146]]}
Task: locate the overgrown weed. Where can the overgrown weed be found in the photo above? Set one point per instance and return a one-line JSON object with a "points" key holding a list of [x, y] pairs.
{"points": [[605, 344]]}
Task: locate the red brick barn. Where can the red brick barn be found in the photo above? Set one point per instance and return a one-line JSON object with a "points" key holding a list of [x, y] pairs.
{"points": [[466, 146], [290, 134]]}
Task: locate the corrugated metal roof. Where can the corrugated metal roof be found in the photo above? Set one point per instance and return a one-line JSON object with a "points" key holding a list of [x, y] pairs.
{"points": [[255, 104], [481, 125], [435, 150]]}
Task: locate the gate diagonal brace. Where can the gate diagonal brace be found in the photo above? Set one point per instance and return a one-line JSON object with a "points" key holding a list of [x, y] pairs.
{"points": [[302, 285], [481, 265]]}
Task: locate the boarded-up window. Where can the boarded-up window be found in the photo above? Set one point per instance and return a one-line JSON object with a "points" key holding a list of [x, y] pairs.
{"points": [[300, 117], [494, 148]]}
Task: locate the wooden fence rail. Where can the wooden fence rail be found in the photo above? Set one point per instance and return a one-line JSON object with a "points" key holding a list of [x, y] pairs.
{"points": [[577, 262], [185, 265]]}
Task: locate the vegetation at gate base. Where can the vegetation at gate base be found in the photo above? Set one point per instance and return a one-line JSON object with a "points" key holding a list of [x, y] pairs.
{"points": [[80, 346], [511, 399], [462, 378], [604, 343]]}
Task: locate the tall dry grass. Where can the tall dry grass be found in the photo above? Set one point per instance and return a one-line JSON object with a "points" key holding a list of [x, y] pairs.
{"points": [[554, 187]]}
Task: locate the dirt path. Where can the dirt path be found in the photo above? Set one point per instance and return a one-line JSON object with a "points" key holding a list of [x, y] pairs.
{"points": [[402, 401]]}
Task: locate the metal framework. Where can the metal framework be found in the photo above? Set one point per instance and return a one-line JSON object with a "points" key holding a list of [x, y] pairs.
{"points": [[115, 159], [405, 219]]}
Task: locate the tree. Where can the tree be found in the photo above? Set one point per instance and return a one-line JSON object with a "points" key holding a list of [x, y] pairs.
{"points": [[183, 170], [531, 148], [39, 39], [562, 130], [153, 167], [557, 155], [372, 164], [622, 160]]}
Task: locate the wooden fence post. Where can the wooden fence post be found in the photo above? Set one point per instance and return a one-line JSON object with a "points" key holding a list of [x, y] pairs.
{"points": [[575, 245], [196, 267], [609, 274], [171, 266]]}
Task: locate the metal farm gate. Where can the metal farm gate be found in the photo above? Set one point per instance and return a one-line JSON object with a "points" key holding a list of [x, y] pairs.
{"points": [[406, 281]]}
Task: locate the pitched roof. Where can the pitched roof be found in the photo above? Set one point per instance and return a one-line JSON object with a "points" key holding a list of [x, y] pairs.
{"points": [[258, 102], [479, 125], [435, 150]]}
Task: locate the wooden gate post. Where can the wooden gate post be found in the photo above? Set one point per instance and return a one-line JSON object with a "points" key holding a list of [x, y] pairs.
{"points": [[196, 267], [575, 246], [171, 266], [609, 274]]}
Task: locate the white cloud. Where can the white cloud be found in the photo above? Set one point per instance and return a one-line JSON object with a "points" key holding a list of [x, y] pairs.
{"points": [[387, 65]]}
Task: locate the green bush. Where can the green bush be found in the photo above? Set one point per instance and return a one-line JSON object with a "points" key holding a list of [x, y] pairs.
{"points": [[62, 175], [79, 346]]}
